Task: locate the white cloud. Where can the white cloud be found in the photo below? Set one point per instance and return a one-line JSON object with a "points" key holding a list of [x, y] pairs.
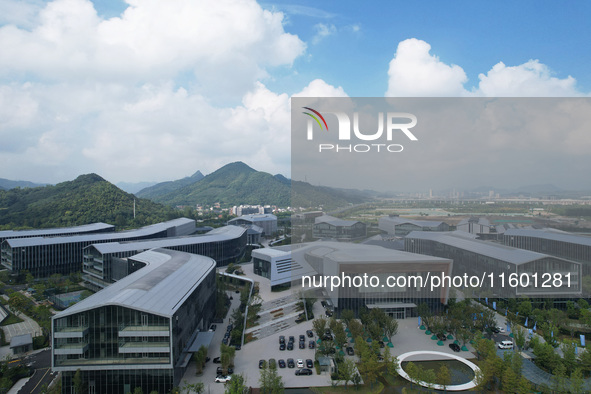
{"points": [[531, 79], [415, 72], [323, 31], [319, 88], [153, 40]]}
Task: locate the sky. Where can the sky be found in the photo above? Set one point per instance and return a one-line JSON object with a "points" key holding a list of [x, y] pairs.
{"points": [[151, 90]]}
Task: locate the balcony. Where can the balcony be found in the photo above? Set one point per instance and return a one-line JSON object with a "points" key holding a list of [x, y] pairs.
{"points": [[71, 348], [143, 331], [144, 347], [70, 332], [111, 362]]}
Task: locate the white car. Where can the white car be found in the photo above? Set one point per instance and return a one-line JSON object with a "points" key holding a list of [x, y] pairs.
{"points": [[223, 379], [501, 329], [300, 363], [505, 345]]}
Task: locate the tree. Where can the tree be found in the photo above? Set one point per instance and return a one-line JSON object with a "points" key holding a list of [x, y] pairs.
{"points": [[17, 303], [559, 382], [347, 370], [520, 337], [319, 326], [391, 327], [525, 308], [577, 382], [569, 358], [270, 381], [355, 328], [199, 358], [340, 335], [236, 385], [444, 377], [78, 382], [347, 315], [227, 356], [197, 388]]}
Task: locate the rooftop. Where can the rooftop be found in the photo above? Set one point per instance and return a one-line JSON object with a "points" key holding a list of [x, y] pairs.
{"points": [[256, 217], [48, 232], [551, 235], [494, 250], [421, 223], [160, 287], [220, 234], [342, 252], [334, 221], [140, 232]]}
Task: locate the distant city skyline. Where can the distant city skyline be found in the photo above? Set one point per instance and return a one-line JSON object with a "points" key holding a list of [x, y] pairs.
{"points": [[153, 91]]}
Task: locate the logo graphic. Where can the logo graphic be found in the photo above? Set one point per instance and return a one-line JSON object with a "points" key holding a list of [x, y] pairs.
{"points": [[315, 118], [388, 125]]}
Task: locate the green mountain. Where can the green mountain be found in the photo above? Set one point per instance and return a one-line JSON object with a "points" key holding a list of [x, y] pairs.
{"points": [[7, 184], [164, 188], [233, 184], [87, 199], [237, 183]]}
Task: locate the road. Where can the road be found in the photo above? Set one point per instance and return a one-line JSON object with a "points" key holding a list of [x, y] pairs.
{"points": [[41, 363]]}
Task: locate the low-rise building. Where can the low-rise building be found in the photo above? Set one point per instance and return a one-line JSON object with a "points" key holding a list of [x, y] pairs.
{"points": [[137, 332], [329, 227]]}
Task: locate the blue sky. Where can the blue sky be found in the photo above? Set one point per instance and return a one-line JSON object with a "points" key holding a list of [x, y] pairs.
{"points": [[125, 89]]}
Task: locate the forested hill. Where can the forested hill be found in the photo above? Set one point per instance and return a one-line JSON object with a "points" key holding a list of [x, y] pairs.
{"points": [[233, 184], [87, 199], [163, 188], [237, 183]]}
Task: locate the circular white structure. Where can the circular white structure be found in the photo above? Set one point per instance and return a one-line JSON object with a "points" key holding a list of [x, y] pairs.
{"points": [[458, 387]]}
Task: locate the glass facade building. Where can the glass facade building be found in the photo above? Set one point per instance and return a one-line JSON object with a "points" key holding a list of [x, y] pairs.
{"points": [[398, 288], [138, 331], [334, 228], [477, 258], [107, 262], [44, 256]]}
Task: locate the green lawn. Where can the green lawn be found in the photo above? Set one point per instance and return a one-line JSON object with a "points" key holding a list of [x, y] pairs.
{"points": [[11, 319]]}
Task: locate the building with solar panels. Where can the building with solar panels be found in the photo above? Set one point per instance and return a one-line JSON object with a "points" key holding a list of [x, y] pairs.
{"points": [[105, 263], [553, 242], [139, 331], [44, 256], [474, 257]]}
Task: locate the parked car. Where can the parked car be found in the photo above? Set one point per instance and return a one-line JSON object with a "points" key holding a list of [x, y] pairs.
{"points": [[300, 363], [290, 363], [291, 339], [281, 339], [350, 351], [281, 363], [309, 333], [302, 338], [495, 330], [302, 345], [304, 371], [220, 371], [213, 327], [309, 363], [455, 347], [311, 344], [505, 345], [262, 364], [290, 346], [217, 360], [282, 346], [222, 379]]}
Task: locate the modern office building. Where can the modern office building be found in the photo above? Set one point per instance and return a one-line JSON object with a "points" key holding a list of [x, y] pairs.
{"points": [[329, 227], [137, 332], [277, 265], [395, 225], [477, 258], [553, 242], [268, 222], [92, 228], [105, 263], [400, 283], [44, 256]]}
